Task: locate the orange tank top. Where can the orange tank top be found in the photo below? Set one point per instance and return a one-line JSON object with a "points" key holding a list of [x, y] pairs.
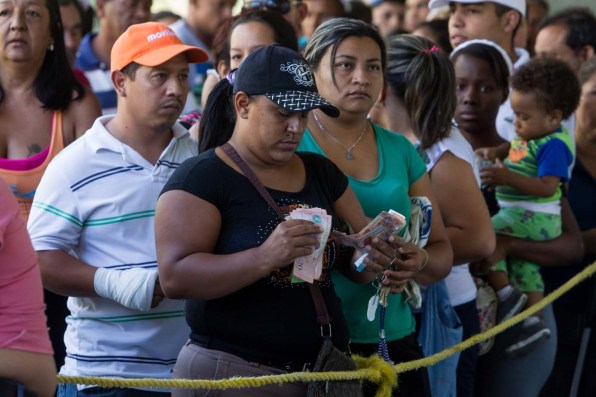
{"points": [[24, 183]]}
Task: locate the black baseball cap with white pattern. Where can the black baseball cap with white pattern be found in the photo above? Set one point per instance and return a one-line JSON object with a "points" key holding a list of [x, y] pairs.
{"points": [[283, 76]]}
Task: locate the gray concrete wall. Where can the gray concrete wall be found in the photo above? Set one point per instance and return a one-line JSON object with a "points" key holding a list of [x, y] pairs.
{"points": [[556, 5]]}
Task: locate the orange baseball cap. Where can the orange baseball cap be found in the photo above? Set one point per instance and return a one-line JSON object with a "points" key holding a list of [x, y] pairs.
{"points": [[151, 44]]}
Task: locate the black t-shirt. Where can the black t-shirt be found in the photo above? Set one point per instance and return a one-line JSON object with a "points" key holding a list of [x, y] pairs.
{"points": [[272, 319]]}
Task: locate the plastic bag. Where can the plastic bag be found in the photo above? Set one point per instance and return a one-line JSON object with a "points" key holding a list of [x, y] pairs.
{"points": [[440, 328], [417, 232]]}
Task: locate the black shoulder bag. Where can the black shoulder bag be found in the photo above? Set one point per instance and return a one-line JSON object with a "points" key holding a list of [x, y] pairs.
{"points": [[329, 358]]}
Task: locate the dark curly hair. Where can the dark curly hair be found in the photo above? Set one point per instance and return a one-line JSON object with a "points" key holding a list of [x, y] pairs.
{"points": [[554, 83]]}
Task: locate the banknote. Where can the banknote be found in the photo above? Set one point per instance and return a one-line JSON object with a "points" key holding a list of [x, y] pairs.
{"points": [[382, 226], [310, 267]]}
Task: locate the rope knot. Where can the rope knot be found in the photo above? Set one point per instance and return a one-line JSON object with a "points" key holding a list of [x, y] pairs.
{"points": [[378, 371]]}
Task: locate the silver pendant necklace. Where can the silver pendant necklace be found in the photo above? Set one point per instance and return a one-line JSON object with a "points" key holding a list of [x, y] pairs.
{"points": [[348, 150]]}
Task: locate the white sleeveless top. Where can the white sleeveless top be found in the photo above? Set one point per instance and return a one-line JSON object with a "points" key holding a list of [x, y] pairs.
{"points": [[460, 284]]}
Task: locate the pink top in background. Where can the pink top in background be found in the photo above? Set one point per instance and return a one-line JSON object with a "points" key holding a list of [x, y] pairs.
{"points": [[25, 164], [22, 318]]}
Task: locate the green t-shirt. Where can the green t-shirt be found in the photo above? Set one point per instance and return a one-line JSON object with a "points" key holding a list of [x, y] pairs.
{"points": [[399, 167], [551, 155]]}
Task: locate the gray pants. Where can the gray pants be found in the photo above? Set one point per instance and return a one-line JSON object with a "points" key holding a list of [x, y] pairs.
{"points": [[196, 362], [519, 376]]}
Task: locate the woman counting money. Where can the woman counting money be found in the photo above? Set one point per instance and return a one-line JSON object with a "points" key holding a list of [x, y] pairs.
{"points": [[225, 249], [348, 59]]}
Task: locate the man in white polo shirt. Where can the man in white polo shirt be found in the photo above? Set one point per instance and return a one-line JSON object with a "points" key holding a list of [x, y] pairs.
{"points": [[92, 221]]}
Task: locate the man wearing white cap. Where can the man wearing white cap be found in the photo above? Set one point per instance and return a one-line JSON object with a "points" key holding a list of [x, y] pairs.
{"points": [[497, 21], [92, 221]]}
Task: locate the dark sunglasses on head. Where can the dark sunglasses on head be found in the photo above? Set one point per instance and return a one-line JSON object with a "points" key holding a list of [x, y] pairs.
{"points": [[279, 6]]}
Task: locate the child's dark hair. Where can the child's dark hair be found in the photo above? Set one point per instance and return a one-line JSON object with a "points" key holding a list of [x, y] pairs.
{"points": [[554, 83]]}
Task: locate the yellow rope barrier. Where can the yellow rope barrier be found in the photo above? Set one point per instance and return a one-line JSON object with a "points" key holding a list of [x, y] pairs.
{"points": [[373, 369], [497, 329]]}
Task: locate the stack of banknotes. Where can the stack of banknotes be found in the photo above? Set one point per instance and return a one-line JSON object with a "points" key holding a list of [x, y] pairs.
{"points": [[383, 226], [308, 268]]}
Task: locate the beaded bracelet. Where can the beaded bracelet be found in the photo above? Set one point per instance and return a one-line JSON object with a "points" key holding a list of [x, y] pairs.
{"points": [[425, 259]]}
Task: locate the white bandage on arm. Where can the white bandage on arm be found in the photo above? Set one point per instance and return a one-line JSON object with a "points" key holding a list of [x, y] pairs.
{"points": [[132, 288]]}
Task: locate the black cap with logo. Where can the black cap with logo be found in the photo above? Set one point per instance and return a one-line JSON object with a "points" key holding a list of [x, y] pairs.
{"points": [[283, 76]]}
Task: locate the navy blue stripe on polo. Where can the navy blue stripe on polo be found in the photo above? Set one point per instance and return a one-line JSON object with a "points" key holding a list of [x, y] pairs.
{"points": [[144, 265], [168, 164], [100, 175], [123, 359]]}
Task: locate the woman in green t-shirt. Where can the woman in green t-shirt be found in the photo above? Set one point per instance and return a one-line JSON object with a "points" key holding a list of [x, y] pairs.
{"points": [[348, 57]]}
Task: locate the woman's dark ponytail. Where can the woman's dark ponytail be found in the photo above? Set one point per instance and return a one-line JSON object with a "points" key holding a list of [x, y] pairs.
{"points": [[219, 117]]}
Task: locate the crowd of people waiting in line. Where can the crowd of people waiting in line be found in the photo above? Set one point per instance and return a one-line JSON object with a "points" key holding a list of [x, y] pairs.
{"points": [[135, 243]]}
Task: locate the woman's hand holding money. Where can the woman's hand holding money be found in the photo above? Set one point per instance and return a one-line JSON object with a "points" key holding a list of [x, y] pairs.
{"points": [[407, 262], [381, 257], [291, 239]]}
